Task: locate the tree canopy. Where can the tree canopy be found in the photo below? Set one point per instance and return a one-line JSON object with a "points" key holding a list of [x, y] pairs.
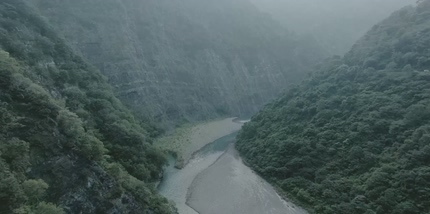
{"points": [[66, 143], [355, 136]]}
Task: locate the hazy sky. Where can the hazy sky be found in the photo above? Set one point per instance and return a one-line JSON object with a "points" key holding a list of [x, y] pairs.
{"points": [[337, 24]]}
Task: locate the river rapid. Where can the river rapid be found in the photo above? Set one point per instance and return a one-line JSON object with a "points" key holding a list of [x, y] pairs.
{"points": [[216, 181]]}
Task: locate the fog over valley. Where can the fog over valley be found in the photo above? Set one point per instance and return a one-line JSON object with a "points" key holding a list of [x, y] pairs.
{"points": [[336, 24], [214, 106]]}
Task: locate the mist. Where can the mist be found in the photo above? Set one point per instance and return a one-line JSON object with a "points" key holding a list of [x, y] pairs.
{"points": [[335, 24], [215, 106]]}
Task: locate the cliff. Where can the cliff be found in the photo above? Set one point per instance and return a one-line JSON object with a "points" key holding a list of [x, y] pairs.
{"points": [[67, 145], [184, 60]]}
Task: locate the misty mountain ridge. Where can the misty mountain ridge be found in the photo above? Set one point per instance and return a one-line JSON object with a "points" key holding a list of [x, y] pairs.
{"points": [[335, 24], [185, 61], [86, 87]]}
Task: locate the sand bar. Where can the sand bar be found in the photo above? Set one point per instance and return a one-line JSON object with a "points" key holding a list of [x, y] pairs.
{"points": [[187, 140]]}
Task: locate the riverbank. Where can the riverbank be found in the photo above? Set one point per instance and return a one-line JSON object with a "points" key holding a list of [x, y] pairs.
{"points": [[176, 182], [229, 186], [289, 198], [187, 140], [213, 178]]}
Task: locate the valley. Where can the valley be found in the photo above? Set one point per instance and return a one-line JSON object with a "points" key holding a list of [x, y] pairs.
{"points": [[137, 106], [215, 180]]}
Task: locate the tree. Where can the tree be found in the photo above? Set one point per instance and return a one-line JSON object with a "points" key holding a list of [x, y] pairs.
{"points": [[47, 208], [34, 189]]}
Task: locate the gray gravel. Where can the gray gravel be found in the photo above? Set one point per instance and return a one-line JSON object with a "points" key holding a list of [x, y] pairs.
{"points": [[229, 186]]}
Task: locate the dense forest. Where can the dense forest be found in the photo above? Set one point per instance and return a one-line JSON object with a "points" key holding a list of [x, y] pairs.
{"points": [[86, 87], [355, 136], [187, 60], [67, 145]]}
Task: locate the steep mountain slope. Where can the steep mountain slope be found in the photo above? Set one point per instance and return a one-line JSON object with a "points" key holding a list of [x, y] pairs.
{"points": [[188, 59], [355, 138], [67, 145]]}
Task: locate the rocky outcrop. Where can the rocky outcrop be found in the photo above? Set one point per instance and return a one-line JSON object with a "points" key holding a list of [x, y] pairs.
{"points": [[67, 144], [187, 60], [81, 186]]}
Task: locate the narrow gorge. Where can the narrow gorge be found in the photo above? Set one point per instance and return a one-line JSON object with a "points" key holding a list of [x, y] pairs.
{"points": [[183, 61], [204, 106]]}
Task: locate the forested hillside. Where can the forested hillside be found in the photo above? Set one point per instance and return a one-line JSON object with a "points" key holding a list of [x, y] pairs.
{"points": [[355, 137], [67, 145], [184, 60]]}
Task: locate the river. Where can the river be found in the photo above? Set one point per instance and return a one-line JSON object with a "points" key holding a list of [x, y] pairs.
{"points": [[215, 181]]}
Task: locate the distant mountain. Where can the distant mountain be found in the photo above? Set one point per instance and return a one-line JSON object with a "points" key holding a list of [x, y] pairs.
{"points": [[355, 137], [184, 60]]}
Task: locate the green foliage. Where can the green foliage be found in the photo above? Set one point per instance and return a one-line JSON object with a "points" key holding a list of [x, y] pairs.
{"points": [[61, 124], [188, 60], [40, 208], [47, 208], [34, 189], [10, 189], [354, 138]]}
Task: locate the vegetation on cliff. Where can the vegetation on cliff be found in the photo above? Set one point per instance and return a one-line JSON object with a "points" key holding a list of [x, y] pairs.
{"points": [[355, 137], [67, 145], [189, 60]]}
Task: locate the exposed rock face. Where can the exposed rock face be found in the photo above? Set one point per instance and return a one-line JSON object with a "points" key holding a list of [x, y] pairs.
{"points": [[67, 144], [184, 59], [81, 186]]}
